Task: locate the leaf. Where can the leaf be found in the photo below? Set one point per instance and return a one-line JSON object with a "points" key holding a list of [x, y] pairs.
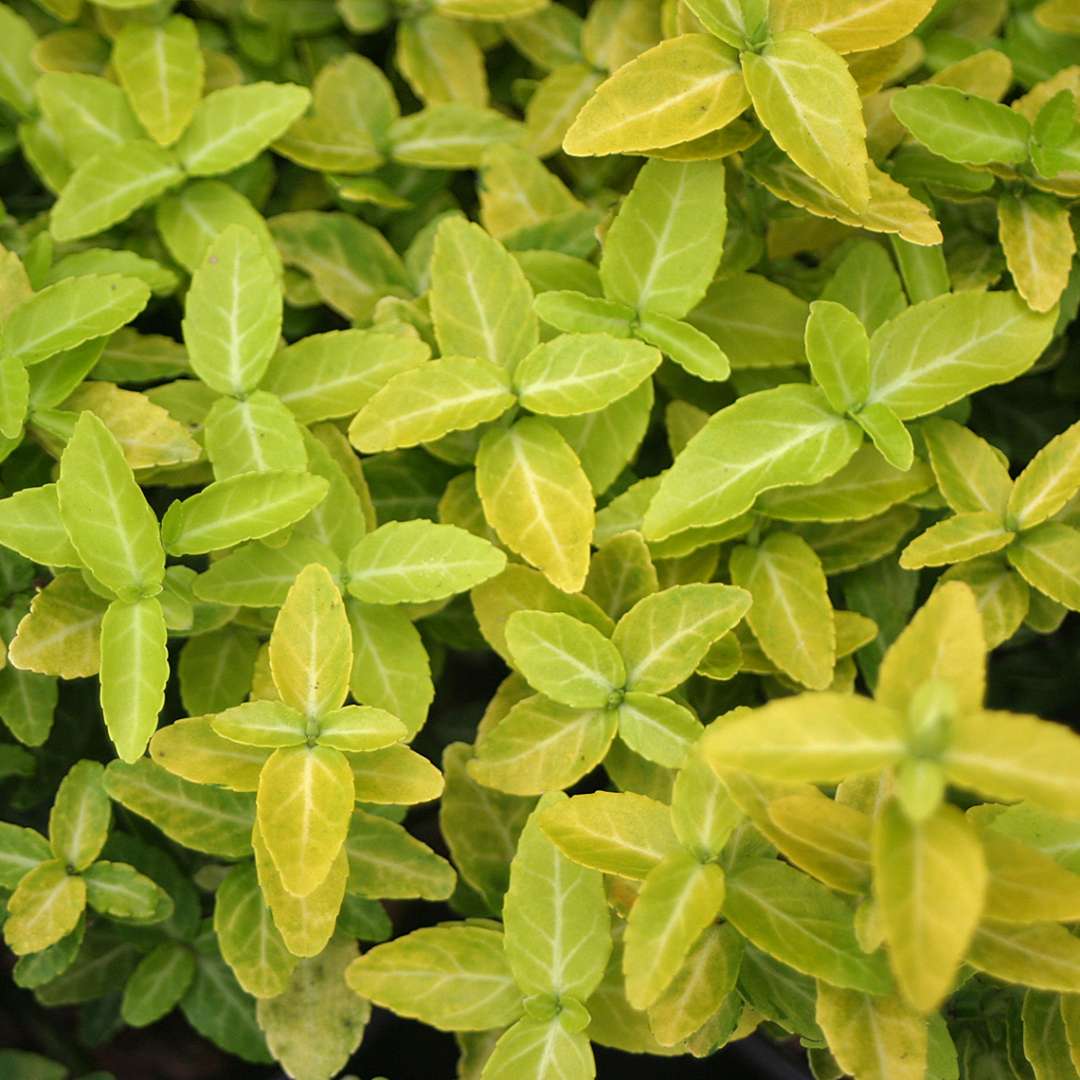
{"points": [[787, 435], [1033, 223], [454, 978], [537, 499], [192, 750], [1012, 756], [161, 71], [121, 892], [317, 1023], [21, 850], [569, 661], [658, 729], [802, 924], [963, 127], [970, 474], [304, 803], [839, 354], [241, 508], [1048, 481], [692, 350], [481, 303], [851, 26], [441, 61], [928, 917], [134, 671], [61, 634], [556, 929], [546, 1049], [418, 561], [110, 186], [217, 1007], [450, 136], [1046, 1042], [1043, 956], [542, 746], [866, 283], [80, 816], [1025, 885], [262, 724], [44, 908], [679, 899], [813, 737], [679, 90], [956, 539], [616, 833], [582, 373], [15, 390], [199, 817], [157, 984], [18, 72], [807, 98], [385, 861], [230, 126], [939, 351], [233, 313], [395, 775], [1046, 558], [790, 613], [879, 1038], [70, 313], [30, 524]]}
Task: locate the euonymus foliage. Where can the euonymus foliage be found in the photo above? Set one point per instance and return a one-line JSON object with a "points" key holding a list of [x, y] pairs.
{"points": [[633, 445]]}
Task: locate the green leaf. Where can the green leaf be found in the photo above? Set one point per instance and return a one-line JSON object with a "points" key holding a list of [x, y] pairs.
{"points": [[30, 524], [121, 892], [263, 724], [1046, 558], [1044, 956], [454, 978], [217, 1007], [582, 373], [450, 136], [815, 737], [546, 1049], [110, 186], [664, 637], [961, 127], [939, 351], [70, 313], [577, 313], [134, 671], [556, 925], [233, 313], [956, 539], [157, 984], [616, 833], [929, 882], [418, 561], [538, 499], [664, 246], [889, 436], [230, 126], [481, 304], [18, 72], [879, 1038], [681, 89], [80, 815], [787, 435], [241, 508], [21, 850], [569, 661], [1048, 481], [703, 812], [360, 728], [790, 613], [657, 728], [866, 283], [807, 98], [304, 803], [14, 395], [693, 351], [161, 71], [44, 908], [839, 354], [258, 434], [385, 861], [802, 924], [1046, 1041], [971, 475], [679, 899]]}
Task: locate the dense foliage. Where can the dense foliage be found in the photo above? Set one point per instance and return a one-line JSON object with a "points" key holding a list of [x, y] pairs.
{"points": [[645, 431]]}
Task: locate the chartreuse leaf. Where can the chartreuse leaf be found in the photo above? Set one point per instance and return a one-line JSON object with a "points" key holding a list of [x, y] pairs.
{"points": [[790, 613], [88, 113], [70, 313], [264, 724], [556, 925], [850, 26], [1046, 558], [657, 728], [429, 401], [1047, 483], [943, 349], [1036, 222], [241, 508], [927, 915], [45, 907], [481, 303], [839, 354], [120, 891], [965, 536], [134, 671], [108, 520], [1046, 1038], [581, 373], [680, 90], [615, 832], [157, 984], [419, 561], [394, 775], [230, 126], [961, 127], [14, 395], [679, 899], [692, 350], [807, 98], [802, 924], [385, 861], [80, 815], [787, 435], [575, 312], [193, 750], [30, 524], [21, 850], [703, 813], [258, 434], [1024, 885], [664, 636], [161, 70], [455, 978], [18, 72], [233, 313], [538, 499], [567, 660], [971, 475], [877, 1037], [1044, 956], [555, 1047]]}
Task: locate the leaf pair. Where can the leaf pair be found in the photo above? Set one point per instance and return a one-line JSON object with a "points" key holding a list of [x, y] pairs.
{"points": [[591, 686]]}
